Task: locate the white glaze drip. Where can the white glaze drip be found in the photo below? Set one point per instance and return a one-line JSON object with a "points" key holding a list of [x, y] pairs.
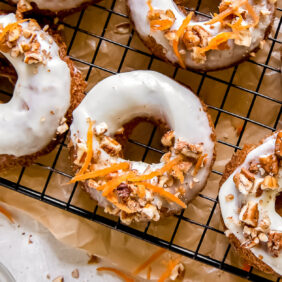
{"points": [[215, 59], [41, 97], [120, 98], [267, 207]]}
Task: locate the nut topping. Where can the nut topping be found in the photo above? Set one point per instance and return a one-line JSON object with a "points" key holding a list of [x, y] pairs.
{"points": [[250, 213], [269, 164], [274, 243], [242, 183], [111, 146], [168, 138], [278, 145], [269, 183], [188, 150], [195, 36]]}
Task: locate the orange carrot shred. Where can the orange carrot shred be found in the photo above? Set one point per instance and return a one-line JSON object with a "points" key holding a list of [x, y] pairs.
{"points": [[10, 27], [119, 273], [198, 164], [149, 3], [112, 184], [220, 17], [101, 172], [7, 214], [89, 149], [164, 193], [252, 13], [168, 271], [161, 24], [149, 261], [179, 33], [158, 172]]}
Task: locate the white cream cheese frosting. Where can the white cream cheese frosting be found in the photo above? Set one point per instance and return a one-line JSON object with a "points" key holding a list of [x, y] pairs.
{"points": [[216, 59], [118, 99], [55, 5], [265, 202], [41, 98]]}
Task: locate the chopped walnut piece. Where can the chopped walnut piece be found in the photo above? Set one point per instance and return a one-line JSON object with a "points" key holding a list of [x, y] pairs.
{"points": [[75, 274], [263, 237], [248, 174], [264, 223], [253, 167], [278, 145], [269, 164], [188, 150], [14, 34], [32, 58], [151, 212], [123, 191], [168, 138], [101, 128], [249, 214], [111, 146], [58, 279], [195, 36], [161, 15], [274, 243], [185, 166], [242, 183], [269, 183]]}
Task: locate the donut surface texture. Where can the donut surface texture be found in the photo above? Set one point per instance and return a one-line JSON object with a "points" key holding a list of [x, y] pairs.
{"points": [[216, 43], [136, 190], [252, 182], [52, 7], [47, 90]]}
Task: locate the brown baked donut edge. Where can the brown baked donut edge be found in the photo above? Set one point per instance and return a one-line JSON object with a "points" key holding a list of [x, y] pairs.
{"points": [[237, 159]]}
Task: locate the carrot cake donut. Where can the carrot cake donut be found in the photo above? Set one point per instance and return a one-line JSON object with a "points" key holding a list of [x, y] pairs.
{"points": [[250, 206], [47, 90], [52, 7], [220, 42], [136, 190]]}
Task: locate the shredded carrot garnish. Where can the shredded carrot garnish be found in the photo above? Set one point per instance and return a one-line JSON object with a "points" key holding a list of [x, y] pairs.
{"points": [[119, 273], [198, 164], [10, 27], [89, 149], [101, 172], [158, 172], [171, 265], [7, 214], [161, 24], [164, 194], [220, 17], [216, 41], [122, 207], [149, 261], [112, 184], [179, 33], [149, 3]]}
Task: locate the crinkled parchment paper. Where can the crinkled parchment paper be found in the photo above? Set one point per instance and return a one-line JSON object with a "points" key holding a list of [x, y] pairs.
{"points": [[122, 250]]}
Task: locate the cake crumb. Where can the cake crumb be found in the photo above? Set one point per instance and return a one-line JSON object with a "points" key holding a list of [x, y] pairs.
{"points": [[75, 274]]}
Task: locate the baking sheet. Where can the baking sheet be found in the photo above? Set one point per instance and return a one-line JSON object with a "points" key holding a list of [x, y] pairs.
{"points": [[125, 251]]}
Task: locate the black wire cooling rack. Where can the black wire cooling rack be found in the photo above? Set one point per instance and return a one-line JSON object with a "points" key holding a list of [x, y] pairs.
{"points": [[109, 11]]}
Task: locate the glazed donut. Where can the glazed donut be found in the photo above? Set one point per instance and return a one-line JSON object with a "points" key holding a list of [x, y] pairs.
{"points": [[250, 211], [47, 90], [137, 191], [52, 7], [220, 42]]}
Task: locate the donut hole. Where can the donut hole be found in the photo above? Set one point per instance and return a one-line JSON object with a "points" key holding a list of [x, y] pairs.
{"points": [[139, 133], [278, 204], [8, 78]]}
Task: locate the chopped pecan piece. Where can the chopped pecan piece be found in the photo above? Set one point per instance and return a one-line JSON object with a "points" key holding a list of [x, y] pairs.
{"points": [[111, 146], [274, 243], [32, 58], [278, 145], [195, 36], [242, 183], [264, 224], [269, 164], [269, 183], [188, 150], [248, 174], [168, 138], [253, 168], [249, 214], [101, 128]]}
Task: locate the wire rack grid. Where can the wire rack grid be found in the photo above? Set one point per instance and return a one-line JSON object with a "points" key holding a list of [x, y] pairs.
{"points": [[109, 11]]}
